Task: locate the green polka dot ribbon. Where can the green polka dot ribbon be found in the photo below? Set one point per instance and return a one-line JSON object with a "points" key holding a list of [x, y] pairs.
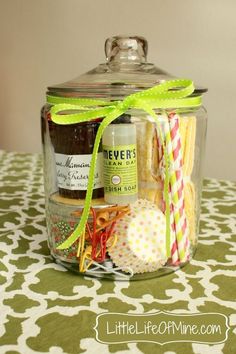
{"points": [[172, 94]]}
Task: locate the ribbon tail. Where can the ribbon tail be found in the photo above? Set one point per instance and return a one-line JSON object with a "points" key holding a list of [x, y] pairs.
{"points": [[84, 217]]}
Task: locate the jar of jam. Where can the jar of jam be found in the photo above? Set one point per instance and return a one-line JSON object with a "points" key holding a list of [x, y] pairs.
{"points": [[73, 147]]}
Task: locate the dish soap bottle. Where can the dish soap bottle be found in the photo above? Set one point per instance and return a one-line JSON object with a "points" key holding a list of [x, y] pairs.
{"points": [[120, 162]]}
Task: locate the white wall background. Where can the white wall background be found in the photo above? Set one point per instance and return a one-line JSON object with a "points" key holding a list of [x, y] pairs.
{"points": [[50, 41]]}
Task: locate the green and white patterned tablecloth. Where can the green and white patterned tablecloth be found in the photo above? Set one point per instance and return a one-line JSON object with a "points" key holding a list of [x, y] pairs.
{"points": [[46, 309]]}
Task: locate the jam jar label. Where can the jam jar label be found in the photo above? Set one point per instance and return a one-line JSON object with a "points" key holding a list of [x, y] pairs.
{"points": [[73, 171]]}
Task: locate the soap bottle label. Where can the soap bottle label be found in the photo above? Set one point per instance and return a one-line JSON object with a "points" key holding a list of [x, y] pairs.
{"points": [[120, 170], [73, 171]]}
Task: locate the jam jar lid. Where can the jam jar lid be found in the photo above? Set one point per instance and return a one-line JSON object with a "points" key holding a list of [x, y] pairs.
{"points": [[126, 71]]}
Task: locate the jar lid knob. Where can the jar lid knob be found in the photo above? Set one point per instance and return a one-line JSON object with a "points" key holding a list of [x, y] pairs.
{"points": [[125, 49]]}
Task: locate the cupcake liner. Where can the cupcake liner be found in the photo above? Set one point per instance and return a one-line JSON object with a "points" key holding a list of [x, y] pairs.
{"points": [[141, 238]]}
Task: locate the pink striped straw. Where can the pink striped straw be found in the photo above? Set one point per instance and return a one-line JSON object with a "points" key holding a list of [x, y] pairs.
{"points": [[177, 189], [174, 249], [178, 220]]}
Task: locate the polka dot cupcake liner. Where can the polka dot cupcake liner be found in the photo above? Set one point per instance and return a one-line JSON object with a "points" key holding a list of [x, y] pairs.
{"points": [[141, 238]]}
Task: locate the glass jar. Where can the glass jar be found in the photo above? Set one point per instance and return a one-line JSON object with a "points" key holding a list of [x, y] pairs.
{"points": [[143, 209]]}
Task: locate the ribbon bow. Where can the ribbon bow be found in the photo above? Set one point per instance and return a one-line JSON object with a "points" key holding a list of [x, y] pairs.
{"points": [[170, 94]]}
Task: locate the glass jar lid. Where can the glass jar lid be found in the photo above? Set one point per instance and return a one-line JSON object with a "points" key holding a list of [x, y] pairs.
{"points": [[126, 71]]}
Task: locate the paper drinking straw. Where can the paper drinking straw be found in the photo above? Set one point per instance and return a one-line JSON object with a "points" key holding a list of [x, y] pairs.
{"points": [[174, 249], [188, 136], [173, 146], [177, 156]]}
